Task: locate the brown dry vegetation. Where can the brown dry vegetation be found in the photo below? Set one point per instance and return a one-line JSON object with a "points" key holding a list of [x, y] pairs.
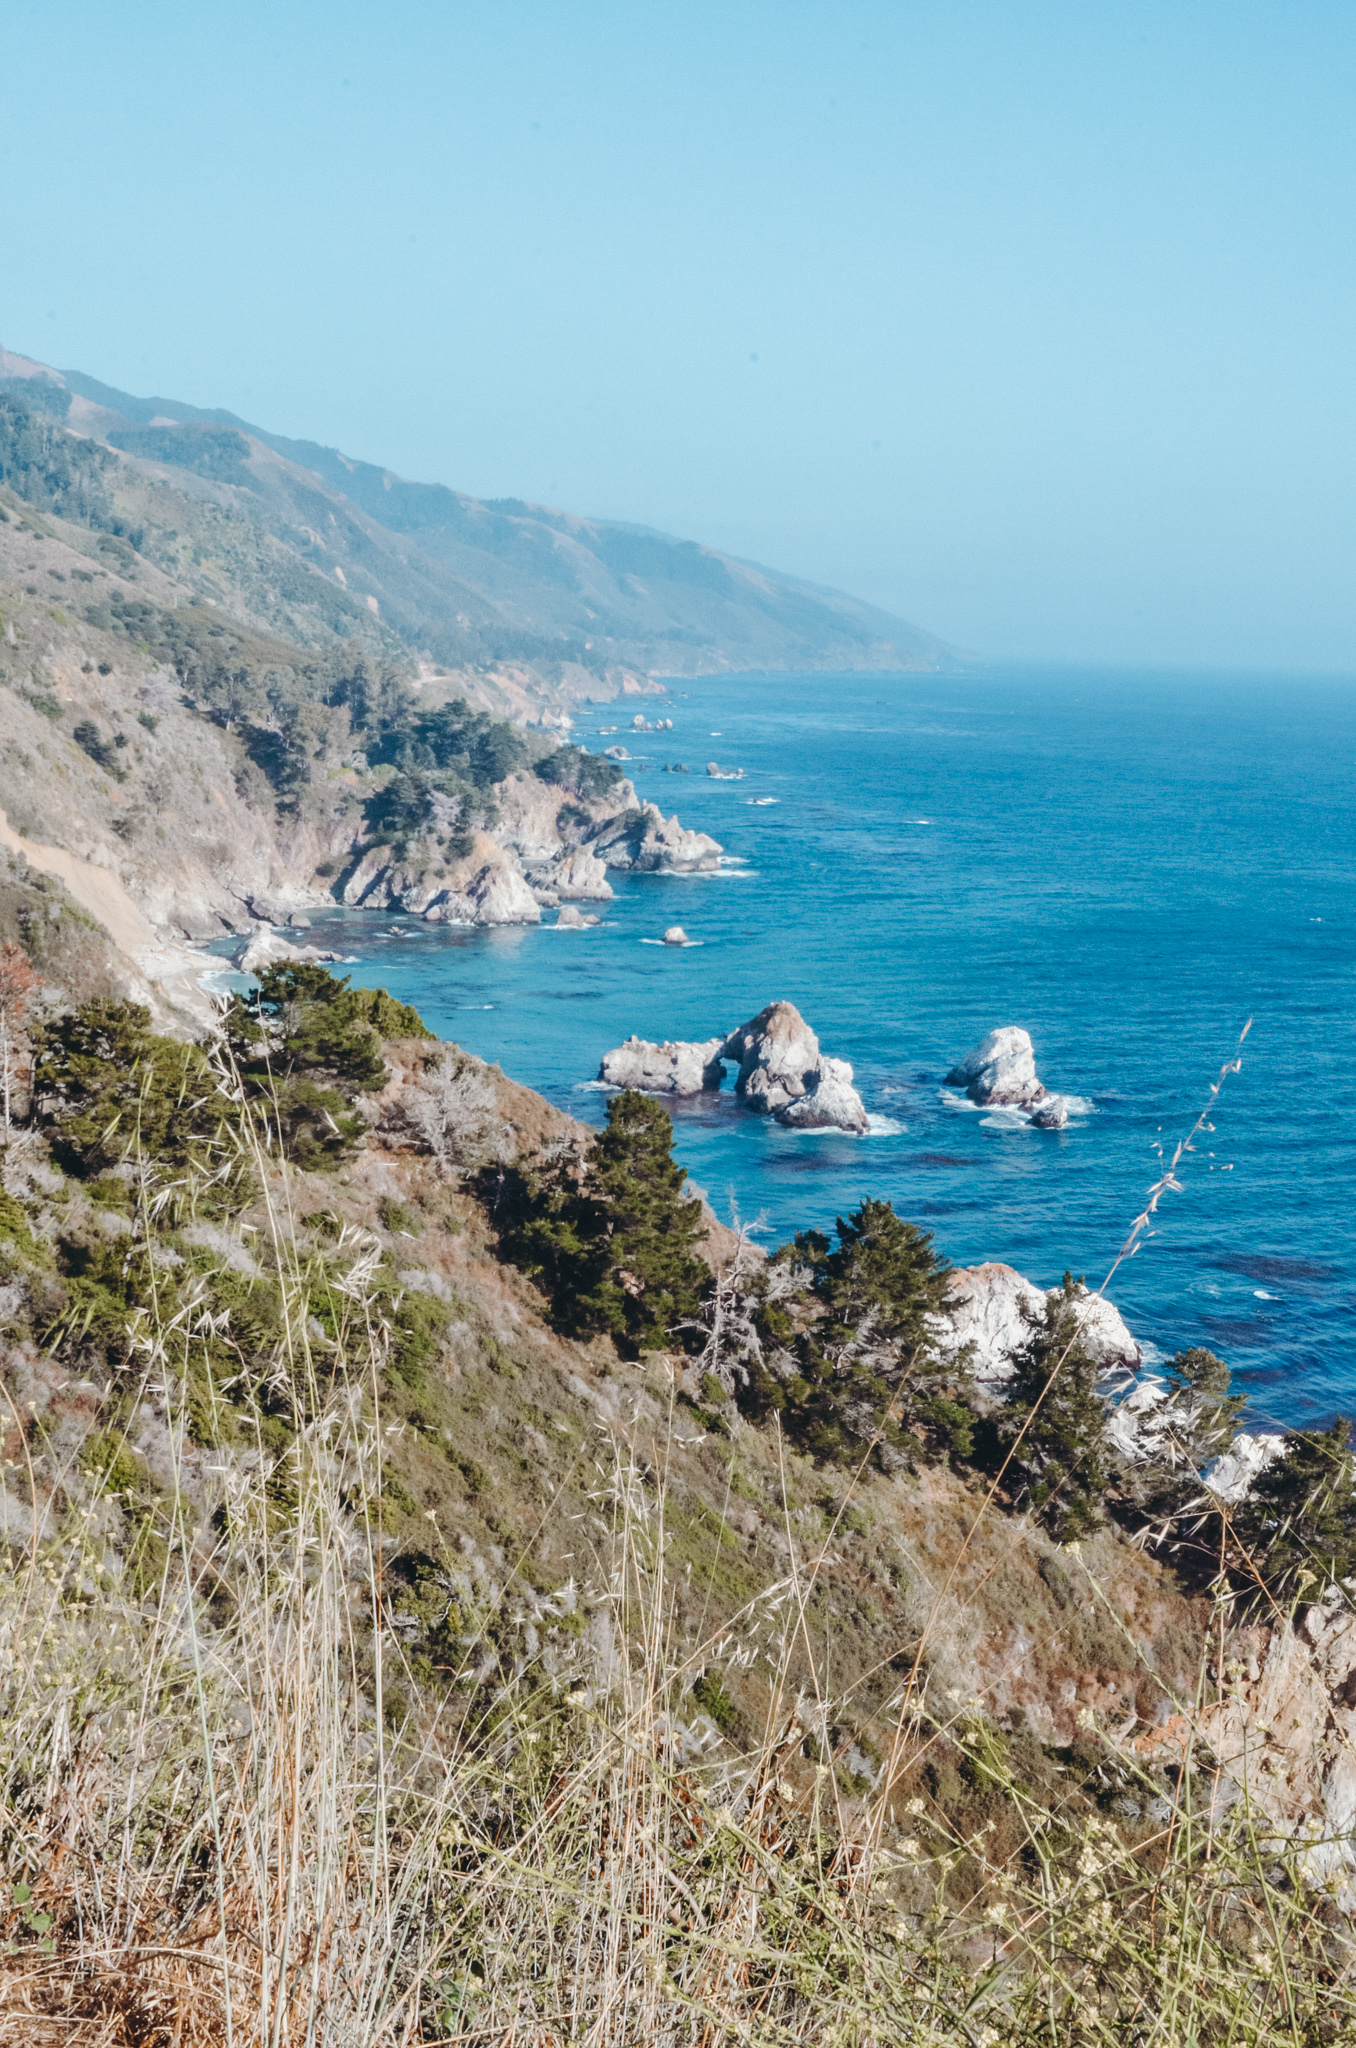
{"points": [[511, 1693]]}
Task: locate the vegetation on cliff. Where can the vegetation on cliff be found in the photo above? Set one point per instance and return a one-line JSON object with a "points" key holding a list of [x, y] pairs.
{"points": [[422, 1622]]}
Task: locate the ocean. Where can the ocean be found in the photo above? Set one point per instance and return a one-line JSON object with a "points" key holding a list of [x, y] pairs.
{"points": [[1129, 865]]}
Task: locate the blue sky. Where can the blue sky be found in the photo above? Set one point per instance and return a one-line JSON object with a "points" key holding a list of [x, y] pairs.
{"points": [[1033, 323]]}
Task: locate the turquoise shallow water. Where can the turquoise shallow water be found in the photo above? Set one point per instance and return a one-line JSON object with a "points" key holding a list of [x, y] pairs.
{"points": [[1128, 865]]}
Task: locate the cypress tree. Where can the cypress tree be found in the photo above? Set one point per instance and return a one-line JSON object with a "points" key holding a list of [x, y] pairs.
{"points": [[1062, 1462], [1298, 1524], [869, 1366], [611, 1235]]}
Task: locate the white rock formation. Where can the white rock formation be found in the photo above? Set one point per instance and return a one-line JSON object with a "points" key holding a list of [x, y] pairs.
{"points": [[674, 935], [781, 1070], [1001, 1070], [986, 1311], [573, 919], [1233, 1476], [674, 1068], [265, 948], [829, 1103]]}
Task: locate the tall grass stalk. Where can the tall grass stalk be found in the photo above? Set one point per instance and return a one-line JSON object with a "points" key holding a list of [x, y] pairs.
{"points": [[220, 1832]]}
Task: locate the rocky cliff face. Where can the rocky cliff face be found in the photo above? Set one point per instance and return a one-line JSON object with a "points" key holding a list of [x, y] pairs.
{"points": [[151, 817]]}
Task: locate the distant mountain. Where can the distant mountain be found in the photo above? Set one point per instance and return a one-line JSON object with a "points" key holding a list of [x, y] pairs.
{"points": [[476, 585]]}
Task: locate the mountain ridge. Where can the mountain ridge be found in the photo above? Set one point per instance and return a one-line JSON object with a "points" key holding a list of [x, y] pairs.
{"points": [[476, 583]]}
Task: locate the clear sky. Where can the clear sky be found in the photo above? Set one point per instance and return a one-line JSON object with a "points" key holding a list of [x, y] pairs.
{"points": [[1031, 322]]}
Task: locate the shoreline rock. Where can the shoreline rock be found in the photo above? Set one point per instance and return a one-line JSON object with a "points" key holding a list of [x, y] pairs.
{"points": [[986, 1311], [645, 842], [265, 948]]}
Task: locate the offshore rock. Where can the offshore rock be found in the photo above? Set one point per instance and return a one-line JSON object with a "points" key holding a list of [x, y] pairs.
{"points": [[782, 1072], [829, 1103], [572, 919], [674, 1068], [986, 1311], [1001, 1070]]}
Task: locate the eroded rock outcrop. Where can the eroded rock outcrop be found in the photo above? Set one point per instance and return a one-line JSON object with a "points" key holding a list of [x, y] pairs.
{"points": [[486, 887], [989, 1310], [1282, 1725], [675, 1067], [643, 841], [1001, 1070], [580, 877], [781, 1070]]}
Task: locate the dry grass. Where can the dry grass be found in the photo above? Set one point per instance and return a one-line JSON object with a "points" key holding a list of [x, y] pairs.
{"points": [[219, 1832]]}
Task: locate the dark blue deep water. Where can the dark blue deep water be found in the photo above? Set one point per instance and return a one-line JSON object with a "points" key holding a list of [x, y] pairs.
{"points": [[1128, 865]]}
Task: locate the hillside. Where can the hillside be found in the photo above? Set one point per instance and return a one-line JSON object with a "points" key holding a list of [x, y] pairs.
{"points": [[201, 734], [420, 1630], [581, 605]]}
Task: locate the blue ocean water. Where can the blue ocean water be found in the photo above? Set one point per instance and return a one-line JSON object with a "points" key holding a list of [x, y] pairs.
{"points": [[1129, 865]]}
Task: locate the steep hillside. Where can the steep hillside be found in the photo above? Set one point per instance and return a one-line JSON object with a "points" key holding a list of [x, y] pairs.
{"points": [[419, 1627], [476, 585], [200, 734]]}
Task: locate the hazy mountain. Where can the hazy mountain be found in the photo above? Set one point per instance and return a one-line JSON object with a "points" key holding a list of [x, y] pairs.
{"points": [[474, 583]]}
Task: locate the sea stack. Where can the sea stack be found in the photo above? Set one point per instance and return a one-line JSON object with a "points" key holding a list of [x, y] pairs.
{"points": [[1001, 1071], [782, 1072]]}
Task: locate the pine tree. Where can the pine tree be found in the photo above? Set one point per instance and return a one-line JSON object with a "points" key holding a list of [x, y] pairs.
{"points": [[1054, 1419], [1298, 1524], [869, 1365], [610, 1235]]}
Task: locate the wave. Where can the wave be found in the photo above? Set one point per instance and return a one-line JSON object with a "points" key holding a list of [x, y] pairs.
{"points": [[1006, 1115], [884, 1126], [720, 874], [676, 945]]}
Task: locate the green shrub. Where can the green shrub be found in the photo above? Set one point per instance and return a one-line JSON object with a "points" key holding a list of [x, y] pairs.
{"points": [[397, 1217], [88, 736], [713, 1699], [111, 1089]]}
